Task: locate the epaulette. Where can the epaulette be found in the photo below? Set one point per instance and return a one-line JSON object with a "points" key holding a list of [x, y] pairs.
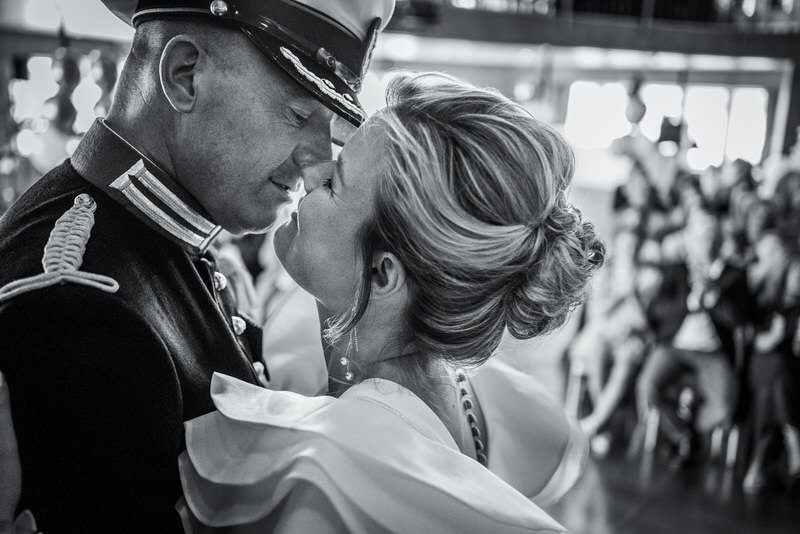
{"points": [[63, 254]]}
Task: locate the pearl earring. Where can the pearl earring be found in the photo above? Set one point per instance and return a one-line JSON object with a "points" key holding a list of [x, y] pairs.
{"points": [[353, 341], [345, 360]]}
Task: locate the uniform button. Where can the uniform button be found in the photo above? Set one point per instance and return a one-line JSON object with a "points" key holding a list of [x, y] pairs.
{"points": [[220, 282], [86, 201], [239, 325]]}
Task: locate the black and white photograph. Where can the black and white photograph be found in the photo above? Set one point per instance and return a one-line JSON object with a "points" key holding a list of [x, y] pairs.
{"points": [[400, 266]]}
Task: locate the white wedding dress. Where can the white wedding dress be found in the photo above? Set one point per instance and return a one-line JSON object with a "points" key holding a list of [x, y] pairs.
{"points": [[378, 454]]}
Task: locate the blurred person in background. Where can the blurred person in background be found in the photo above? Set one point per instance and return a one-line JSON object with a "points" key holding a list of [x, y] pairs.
{"points": [[787, 205], [776, 166], [736, 189], [774, 370], [703, 348], [638, 208], [733, 200], [760, 216], [611, 347], [639, 298]]}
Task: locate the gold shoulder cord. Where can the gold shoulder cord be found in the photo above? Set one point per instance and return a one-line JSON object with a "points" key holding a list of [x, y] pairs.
{"points": [[63, 254]]}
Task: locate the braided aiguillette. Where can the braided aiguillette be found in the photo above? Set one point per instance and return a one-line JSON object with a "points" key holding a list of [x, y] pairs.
{"points": [[63, 254]]}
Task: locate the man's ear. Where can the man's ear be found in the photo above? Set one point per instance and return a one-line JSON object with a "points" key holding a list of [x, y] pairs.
{"points": [[181, 60], [388, 275]]}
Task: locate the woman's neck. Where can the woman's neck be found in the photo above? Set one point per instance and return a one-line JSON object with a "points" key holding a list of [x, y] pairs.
{"points": [[428, 377], [375, 351]]}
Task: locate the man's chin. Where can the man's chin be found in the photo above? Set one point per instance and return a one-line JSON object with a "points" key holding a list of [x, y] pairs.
{"points": [[239, 232], [240, 228]]}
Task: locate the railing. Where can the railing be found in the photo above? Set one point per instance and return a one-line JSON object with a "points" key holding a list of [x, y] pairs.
{"points": [[762, 16]]}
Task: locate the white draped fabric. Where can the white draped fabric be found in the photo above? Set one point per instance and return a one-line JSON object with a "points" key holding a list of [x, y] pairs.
{"points": [[533, 445], [378, 454]]}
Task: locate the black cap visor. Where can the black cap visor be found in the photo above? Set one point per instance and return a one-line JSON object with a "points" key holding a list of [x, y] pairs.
{"points": [[320, 80]]}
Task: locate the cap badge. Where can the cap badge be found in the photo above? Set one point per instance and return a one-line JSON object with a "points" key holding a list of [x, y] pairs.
{"points": [[327, 59]]}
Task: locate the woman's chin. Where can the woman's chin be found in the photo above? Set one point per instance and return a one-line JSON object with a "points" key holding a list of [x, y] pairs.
{"points": [[284, 236]]}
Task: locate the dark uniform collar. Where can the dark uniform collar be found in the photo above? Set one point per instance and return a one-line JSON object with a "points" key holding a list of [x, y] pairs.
{"points": [[108, 161]]}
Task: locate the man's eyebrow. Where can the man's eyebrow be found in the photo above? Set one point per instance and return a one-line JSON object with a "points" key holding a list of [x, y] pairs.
{"points": [[304, 105], [304, 100]]}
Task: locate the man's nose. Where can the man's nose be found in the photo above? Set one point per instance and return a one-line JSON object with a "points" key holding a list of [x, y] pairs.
{"points": [[316, 145], [315, 173]]}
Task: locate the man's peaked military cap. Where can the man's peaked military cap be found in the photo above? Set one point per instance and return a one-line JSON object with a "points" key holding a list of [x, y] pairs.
{"points": [[325, 45]]}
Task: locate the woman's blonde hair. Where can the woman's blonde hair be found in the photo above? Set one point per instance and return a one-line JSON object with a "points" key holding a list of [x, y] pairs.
{"points": [[473, 202]]}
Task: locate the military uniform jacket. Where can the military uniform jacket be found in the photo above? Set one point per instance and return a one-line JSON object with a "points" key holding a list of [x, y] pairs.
{"points": [[109, 349]]}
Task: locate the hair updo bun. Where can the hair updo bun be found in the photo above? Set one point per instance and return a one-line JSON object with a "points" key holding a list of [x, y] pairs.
{"points": [[542, 297], [472, 201]]}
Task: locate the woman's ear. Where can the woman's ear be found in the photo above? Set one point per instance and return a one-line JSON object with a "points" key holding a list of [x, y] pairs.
{"points": [[388, 275], [181, 60]]}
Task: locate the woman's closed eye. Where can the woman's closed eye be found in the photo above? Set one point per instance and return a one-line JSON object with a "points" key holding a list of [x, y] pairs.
{"points": [[318, 175]]}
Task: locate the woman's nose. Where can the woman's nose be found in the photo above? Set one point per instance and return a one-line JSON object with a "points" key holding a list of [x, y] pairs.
{"points": [[312, 153], [315, 173]]}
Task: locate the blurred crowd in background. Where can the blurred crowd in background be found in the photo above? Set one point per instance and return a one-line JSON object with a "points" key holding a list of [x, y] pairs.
{"points": [[694, 320]]}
